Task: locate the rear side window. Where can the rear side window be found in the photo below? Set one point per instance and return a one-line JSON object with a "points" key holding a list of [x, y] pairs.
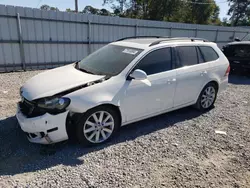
{"points": [[186, 55], [208, 53], [156, 62]]}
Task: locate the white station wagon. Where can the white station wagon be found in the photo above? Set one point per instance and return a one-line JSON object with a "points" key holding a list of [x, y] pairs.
{"points": [[125, 81]]}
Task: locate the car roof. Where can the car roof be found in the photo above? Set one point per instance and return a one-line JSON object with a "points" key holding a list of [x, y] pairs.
{"points": [[239, 42], [144, 43]]}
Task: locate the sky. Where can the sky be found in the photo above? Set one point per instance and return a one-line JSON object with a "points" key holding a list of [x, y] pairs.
{"points": [[63, 4]]}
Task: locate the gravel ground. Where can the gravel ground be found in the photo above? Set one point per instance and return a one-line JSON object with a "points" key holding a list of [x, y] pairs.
{"points": [[177, 149]]}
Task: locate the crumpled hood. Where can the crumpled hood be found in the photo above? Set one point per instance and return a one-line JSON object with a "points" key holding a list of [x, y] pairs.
{"points": [[55, 81]]}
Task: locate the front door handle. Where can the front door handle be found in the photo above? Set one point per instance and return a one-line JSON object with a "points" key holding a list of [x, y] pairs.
{"points": [[203, 73]]}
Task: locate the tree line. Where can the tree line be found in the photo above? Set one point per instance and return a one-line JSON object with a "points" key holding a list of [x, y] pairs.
{"points": [[184, 11]]}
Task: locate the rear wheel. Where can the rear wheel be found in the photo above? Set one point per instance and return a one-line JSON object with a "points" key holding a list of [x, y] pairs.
{"points": [[98, 125], [207, 97]]}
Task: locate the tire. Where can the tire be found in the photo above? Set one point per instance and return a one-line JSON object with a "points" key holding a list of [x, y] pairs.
{"points": [[91, 131], [201, 100]]}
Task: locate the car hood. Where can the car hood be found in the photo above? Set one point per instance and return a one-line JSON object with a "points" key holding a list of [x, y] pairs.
{"points": [[55, 81]]}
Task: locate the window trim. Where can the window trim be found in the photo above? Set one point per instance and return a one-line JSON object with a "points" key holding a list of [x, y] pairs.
{"points": [[152, 50], [198, 49]]}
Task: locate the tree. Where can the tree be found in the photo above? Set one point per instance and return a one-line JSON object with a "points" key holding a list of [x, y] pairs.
{"points": [[90, 10], [225, 22], [191, 11], [104, 12], [47, 7], [69, 10], [239, 11], [121, 4], [215, 20]]}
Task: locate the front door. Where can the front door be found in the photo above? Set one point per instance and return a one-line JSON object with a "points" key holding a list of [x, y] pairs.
{"points": [[153, 95]]}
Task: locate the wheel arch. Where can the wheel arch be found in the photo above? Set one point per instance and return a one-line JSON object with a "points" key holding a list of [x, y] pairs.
{"points": [[73, 118], [211, 81]]}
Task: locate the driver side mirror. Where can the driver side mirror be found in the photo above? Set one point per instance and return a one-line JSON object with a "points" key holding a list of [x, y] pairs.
{"points": [[138, 75]]}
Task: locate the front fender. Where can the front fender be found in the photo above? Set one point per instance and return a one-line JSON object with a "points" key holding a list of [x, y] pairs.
{"points": [[90, 97], [81, 104]]}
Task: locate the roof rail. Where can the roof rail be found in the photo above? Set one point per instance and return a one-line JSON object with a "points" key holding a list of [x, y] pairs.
{"points": [[135, 37], [178, 38]]}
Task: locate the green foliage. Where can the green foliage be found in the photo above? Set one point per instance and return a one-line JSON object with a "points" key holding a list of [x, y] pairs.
{"points": [[91, 10], [69, 10], [187, 11], [239, 12], [47, 7]]}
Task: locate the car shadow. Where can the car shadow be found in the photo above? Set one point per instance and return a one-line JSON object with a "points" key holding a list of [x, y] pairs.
{"points": [[239, 78], [18, 155]]}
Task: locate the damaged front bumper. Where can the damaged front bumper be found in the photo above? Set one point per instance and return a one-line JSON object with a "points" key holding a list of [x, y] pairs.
{"points": [[44, 129]]}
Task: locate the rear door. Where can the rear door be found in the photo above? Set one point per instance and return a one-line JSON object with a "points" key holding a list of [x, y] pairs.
{"points": [[192, 73]]}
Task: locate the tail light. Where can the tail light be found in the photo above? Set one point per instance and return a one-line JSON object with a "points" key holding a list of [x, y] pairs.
{"points": [[228, 71]]}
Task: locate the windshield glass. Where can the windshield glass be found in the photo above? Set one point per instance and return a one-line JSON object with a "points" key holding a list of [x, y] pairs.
{"points": [[246, 38], [109, 60]]}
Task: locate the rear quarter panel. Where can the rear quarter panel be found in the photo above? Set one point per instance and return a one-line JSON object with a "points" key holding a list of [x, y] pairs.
{"points": [[218, 69]]}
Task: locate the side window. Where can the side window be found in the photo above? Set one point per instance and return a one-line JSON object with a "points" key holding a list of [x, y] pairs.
{"points": [[187, 55], [208, 53], [241, 51], [156, 61]]}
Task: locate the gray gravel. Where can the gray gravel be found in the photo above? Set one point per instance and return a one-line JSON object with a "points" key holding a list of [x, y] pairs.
{"points": [[177, 149]]}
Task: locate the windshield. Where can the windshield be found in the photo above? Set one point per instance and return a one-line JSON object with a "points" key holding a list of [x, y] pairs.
{"points": [[109, 60], [246, 38]]}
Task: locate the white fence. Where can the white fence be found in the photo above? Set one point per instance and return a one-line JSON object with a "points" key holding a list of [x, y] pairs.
{"points": [[36, 39]]}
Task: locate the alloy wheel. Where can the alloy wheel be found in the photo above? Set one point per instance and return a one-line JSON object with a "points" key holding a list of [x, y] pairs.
{"points": [[98, 127], [208, 97]]}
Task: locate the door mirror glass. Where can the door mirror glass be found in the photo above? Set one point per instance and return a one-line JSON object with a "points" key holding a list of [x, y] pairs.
{"points": [[138, 75]]}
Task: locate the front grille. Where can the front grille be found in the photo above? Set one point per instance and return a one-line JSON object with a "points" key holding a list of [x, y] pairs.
{"points": [[30, 109]]}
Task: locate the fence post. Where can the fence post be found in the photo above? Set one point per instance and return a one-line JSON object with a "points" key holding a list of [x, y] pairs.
{"points": [[196, 32], [89, 37], [170, 34], [234, 35], [216, 37], [136, 28], [21, 47]]}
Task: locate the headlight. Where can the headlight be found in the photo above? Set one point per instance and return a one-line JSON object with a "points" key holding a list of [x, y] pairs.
{"points": [[54, 103]]}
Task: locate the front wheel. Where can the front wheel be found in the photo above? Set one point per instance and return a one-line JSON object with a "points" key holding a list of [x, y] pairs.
{"points": [[207, 97], [97, 125]]}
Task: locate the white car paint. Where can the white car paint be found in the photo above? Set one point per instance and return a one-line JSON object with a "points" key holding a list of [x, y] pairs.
{"points": [[136, 99], [63, 78]]}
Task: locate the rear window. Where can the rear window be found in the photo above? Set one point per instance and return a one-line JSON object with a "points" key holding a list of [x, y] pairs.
{"points": [[237, 51], [208, 53], [187, 55]]}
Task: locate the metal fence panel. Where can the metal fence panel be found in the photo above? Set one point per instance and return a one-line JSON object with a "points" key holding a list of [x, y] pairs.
{"points": [[46, 39]]}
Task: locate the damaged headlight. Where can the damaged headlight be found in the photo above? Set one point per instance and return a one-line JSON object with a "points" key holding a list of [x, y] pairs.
{"points": [[54, 103]]}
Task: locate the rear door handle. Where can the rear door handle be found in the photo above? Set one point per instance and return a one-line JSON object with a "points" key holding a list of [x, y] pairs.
{"points": [[170, 81], [203, 73]]}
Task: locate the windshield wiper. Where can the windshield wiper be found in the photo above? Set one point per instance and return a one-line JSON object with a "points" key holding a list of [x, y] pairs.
{"points": [[81, 69], [84, 70]]}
